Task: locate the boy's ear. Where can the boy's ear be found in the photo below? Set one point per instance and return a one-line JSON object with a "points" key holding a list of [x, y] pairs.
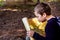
{"points": [[44, 14]]}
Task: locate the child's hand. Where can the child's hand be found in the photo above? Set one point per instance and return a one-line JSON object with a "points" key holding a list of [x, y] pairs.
{"points": [[30, 33]]}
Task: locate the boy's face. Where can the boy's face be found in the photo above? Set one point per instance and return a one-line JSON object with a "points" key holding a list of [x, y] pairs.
{"points": [[41, 18]]}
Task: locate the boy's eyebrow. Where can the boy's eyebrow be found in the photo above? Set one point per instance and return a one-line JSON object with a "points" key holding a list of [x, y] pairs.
{"points": [[33, 13]]}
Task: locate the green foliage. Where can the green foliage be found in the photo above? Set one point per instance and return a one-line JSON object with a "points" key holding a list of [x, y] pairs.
{"points": [[1, 3]]}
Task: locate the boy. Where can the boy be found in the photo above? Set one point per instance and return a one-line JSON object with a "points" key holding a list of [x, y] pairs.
{"points": [[43, 12]]}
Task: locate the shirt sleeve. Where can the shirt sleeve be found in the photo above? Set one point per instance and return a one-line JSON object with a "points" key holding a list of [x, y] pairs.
{"points": [[36, 36]]}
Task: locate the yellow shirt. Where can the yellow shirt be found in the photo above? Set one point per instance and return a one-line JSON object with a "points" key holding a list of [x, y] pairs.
{"points": [[37, 26]]}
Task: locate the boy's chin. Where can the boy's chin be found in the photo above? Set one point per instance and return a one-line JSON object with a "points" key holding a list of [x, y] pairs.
{"points": [[42, 20]]}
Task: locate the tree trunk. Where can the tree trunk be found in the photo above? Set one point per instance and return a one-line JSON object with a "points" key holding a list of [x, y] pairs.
{"points": [[29, 0]]}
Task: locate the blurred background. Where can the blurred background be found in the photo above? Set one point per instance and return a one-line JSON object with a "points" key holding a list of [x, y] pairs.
{"points": [[11, 13]]}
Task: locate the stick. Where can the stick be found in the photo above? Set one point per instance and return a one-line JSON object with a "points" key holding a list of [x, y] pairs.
{"points": [[27, 27], [26, 24]]}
